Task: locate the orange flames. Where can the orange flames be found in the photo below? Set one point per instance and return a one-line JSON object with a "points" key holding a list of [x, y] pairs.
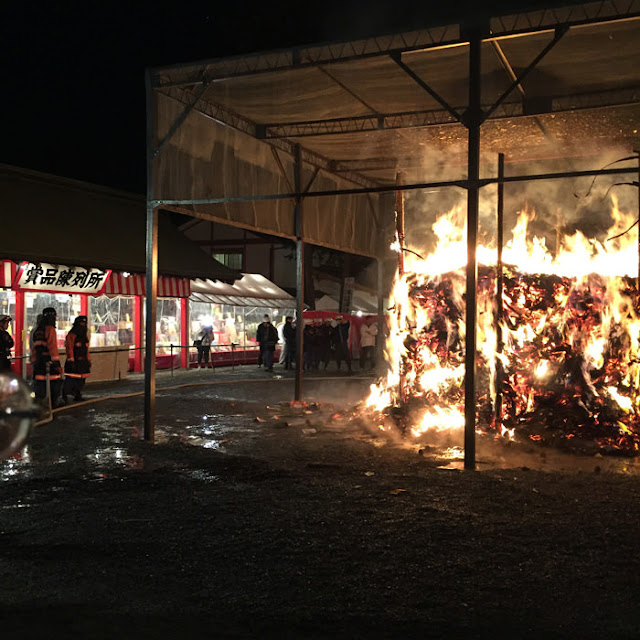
{"points": [[570, 363]]}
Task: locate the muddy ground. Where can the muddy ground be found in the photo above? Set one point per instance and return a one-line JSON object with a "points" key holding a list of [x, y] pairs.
{"points": [[252, 519]]}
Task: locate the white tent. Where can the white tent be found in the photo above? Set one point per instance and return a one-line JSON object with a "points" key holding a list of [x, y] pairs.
{"points": [[252, 289]]}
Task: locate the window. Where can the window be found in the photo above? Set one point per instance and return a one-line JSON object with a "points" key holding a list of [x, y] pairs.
{"points": [[232, 259]]}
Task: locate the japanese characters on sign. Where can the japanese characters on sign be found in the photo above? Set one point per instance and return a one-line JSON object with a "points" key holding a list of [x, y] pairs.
{"points": [[60, 278]]}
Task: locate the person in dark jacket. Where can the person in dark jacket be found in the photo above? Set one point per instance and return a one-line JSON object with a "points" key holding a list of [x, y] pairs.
{"points": [[308, 339], [77, 367], [6, 343], [316, 343], [267, 338], [342, 342], [203, 344], [327, 342], [44, 353], [289, 335]]}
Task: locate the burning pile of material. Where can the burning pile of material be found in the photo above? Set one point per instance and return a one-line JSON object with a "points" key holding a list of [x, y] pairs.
{"points": [[561, 361]]}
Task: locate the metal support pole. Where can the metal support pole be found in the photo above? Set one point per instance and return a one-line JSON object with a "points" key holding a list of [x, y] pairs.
{"points": [[473, 122], [499, 302], [400, 238], [151, 279], [638, 281], [400, 223], [297, 178], [380, 339]]}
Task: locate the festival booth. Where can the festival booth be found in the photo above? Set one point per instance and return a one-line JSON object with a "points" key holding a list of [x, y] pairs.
{"points": [[87, 256], [234, 312]]}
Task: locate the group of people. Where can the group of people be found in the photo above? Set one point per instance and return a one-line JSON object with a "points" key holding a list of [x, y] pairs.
{"points": [[45, 358], [323, 341]]}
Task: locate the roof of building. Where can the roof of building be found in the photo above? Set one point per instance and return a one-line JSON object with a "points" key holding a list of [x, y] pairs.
{"points": [[46, 218]]}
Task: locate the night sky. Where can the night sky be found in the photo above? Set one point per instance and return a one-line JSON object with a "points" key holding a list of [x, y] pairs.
{"points": [[74, 98]]}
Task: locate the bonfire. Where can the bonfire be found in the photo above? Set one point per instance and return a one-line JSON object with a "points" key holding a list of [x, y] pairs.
{"points": [[558, 360]]}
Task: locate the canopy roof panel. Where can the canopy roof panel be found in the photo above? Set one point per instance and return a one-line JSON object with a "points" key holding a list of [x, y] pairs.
{"points": [[561, 83]]}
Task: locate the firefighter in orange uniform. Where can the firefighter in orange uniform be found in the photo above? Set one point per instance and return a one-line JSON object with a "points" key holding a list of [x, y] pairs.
{"points": [[78, 364], [44, 350]]}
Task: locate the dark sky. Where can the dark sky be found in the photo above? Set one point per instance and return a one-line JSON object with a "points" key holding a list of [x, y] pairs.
{"points": [[74, 102]]}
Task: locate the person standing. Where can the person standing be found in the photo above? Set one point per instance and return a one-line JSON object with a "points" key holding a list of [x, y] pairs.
{"points": [[45, 352], [77, 366], [6, 343], [327, 333], [267, 337], [282, 343], [203, 344], [289, 335], [368, 333], [316, 343], [259, 333], [342, 342], [309, 335]]}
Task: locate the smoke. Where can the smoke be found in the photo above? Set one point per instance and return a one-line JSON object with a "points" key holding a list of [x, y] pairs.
{"points": [[561, 206]]}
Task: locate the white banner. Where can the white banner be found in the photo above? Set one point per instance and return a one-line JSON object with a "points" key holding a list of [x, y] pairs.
{"points": [[60, 278]]}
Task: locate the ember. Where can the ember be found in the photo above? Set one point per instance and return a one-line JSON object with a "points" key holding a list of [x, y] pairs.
{"points": [[566, 364]]}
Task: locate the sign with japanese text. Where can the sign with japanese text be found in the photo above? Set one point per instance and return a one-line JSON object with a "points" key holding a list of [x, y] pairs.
{"points": [[59, 278]]}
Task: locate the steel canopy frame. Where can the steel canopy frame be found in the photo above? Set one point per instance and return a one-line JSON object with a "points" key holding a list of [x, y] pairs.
{"points": [[172, 81]]}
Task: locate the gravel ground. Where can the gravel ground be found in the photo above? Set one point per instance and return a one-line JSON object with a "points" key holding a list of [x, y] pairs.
{"points": [[249, 518]]}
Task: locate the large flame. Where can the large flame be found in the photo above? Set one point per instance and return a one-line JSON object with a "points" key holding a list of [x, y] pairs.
{"points": [[569, 359]]}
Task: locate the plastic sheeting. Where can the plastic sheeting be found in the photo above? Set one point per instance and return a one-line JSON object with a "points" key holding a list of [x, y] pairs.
{"points": [[205, 160], [360, 117]]}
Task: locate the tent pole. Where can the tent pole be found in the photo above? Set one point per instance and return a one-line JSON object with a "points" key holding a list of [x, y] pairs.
{"points": [[151, 277], [297, 176], [473, 122]]}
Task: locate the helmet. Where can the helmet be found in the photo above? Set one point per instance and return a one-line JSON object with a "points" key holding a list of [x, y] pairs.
{"points": [[4, 318], [49, 312], [81, 318]]}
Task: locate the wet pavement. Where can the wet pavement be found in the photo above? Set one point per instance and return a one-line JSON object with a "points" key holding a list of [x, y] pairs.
{"points": [[231, 409], [252, 516]]}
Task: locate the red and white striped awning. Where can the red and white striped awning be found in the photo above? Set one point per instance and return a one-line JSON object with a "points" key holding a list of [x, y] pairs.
{"points": [[134, 285], [8, 271]]}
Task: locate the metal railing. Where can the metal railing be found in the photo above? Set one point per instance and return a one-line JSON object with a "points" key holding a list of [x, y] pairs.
{"points": [[233, 348]]}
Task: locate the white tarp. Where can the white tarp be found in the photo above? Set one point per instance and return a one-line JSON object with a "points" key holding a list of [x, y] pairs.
{"points": [[252, 290]]}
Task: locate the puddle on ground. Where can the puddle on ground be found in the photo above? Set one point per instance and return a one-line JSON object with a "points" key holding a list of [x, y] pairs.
{"points": [[120, 457], [202, 476]]}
